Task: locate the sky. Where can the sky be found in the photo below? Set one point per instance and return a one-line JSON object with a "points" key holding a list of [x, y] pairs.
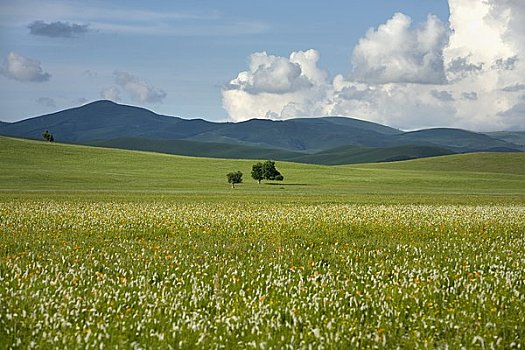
{"points": [[409, 64]]}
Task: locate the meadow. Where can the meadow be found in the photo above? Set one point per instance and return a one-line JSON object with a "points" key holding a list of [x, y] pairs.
{"points": [[421, 254]]}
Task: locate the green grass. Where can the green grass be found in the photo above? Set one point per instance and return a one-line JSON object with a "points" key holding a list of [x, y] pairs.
{"points": [[354, 154], [51, 167], [104, 248], [335, 156], [260, 275], [501, 163]]}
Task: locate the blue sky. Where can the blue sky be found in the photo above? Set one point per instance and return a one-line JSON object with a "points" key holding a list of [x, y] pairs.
{"points": [[185, 58]]}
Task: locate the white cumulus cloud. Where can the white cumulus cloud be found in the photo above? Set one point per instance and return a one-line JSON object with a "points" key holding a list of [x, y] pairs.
{"points": [[25, 69], [276, 87], [467, 73], [486, 56], [405, 106], [138, 90], [397, 53], [272, 75]]}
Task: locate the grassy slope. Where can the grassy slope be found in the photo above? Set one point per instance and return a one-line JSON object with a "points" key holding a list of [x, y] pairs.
{"points": [[335, 156], [38, 166], [354, 155], [196, 148], [503, 163], [455, 139]]}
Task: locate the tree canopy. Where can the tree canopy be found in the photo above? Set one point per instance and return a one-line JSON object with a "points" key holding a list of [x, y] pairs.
{"points": [[48, 136], [257, 172], [266, 171], [234, 178]]}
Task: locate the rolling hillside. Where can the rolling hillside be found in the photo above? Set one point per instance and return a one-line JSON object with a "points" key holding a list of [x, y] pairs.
{"points": [[311, 135], [197, 149], [29, 166], [105, 120], [335, 156], [354, 155], [501, 163], [457, 140], [327, 140]]}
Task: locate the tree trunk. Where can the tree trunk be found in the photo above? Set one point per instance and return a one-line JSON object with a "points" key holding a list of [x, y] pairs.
{"points": [[233, 185]]}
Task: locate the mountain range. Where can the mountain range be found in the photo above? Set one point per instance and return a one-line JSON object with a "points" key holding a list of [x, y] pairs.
{"points": [[324, 140]]}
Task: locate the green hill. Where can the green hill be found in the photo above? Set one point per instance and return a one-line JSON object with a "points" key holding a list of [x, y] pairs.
{"points": [[354, 123], [305, 134], [353, 154], [35, 166], [335, 156], [106, 122], [197, 149], [502, 163], [456, 140], [103, 120]]}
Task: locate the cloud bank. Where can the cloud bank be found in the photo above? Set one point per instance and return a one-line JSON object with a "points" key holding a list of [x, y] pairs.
{"points": [[57, 29], [24, 69], [469, 73]]}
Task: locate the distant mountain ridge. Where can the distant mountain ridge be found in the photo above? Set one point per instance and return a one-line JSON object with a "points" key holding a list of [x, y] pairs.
{"points": [[324, 140], [515, 137]]}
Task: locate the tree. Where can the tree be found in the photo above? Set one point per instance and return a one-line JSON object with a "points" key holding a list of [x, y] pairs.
{"points": [[257, 172], [270, 172], [266, 171], [234, 178], [48, 136]]}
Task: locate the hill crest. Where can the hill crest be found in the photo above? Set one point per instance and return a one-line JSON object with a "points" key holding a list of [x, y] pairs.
{"points": [[108, 123]]}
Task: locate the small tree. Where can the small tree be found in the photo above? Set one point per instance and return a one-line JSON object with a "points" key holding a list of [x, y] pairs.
{"points": [[234, 178], [48, 136], [257, 172]]}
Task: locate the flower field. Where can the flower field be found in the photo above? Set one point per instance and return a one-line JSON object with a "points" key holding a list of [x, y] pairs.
{"points": [[117, 274]]}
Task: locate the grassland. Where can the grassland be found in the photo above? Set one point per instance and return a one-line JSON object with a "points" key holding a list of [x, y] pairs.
{"points": [[117, 249], [31, 167], [334, 156]]}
